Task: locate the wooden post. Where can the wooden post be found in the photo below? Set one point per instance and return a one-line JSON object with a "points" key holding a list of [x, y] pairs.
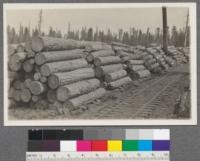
{"points": [[165, 28]]}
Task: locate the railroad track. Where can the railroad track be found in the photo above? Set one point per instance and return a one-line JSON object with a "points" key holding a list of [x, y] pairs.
{"points": [[129, 103], [155, 101]]}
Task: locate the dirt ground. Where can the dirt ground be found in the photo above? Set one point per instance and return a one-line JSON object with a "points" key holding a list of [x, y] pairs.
{"points": [[154, 97]]}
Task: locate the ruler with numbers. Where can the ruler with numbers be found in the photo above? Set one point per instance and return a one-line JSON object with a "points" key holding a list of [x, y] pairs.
{"points": [[98, 156]]}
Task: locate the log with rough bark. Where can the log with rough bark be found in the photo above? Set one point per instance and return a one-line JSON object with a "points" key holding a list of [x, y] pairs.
{"points": [[74, 103], [46, 57], [130, 63], [122, 53], [143, 73], [62, 66], [102, 70], [59, 79], [28, 65], [101, 53], [25, 95], [110, 77], [107, 60], [119, 82], [95, 46], [137, 67], [37, 88], [16, 60], [76, 89], [51, 96], [53, 44], [131, 57]]}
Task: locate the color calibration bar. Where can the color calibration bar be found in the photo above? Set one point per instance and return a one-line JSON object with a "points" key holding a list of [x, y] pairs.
{"points": [[113, 140]]}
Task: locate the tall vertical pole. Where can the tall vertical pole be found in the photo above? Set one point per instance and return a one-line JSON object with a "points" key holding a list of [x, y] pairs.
{"points": [[186, 30], [165, 28]]}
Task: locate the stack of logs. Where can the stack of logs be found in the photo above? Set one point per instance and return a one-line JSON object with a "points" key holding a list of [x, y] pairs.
{"points": [[108, 68], [133, 58], [177, 55], [56, 74], [65, 74]]}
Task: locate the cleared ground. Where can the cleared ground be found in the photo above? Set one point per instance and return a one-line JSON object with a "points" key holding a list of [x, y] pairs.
{"points": [[151, 98]]}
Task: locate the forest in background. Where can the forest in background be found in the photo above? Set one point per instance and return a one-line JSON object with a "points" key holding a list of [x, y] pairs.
{"points": [[176, 36]]}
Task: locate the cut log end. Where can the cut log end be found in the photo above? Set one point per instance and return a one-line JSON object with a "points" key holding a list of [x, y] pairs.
{"points": [[37, 87], [39, 59], [53, 81], [37, 44]]}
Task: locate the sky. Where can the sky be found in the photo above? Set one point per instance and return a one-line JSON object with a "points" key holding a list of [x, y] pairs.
{"points": [[113, 18]]}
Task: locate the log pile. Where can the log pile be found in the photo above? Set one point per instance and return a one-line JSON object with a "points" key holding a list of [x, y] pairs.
{"points": [[132, 57], [53, 73], [108, 68], [177, 54]]}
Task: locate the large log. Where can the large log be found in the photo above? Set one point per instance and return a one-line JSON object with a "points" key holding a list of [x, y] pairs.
{"points": [[137, 67], [62, 66], [76, 89], [28, 65], [53, 44], [119, 82], [135, 62], [37, 88], [100, 71], [122, 53], [46, 57], [78, 101], [25, 95], [110, 77], [107, 60], [101, 53], [59, 79], [131, 57], [16, 60], [95, 46]]}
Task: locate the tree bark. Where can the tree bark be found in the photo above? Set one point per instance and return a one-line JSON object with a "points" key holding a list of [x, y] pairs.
{"points": [[137, 67], [110, 77], [62, 66], [102, 70], [76, 89], [46, 57], [135, 62], [59, 79], [74, 103], [119, 82], [106, 60], [53, 44], [101, 53]]}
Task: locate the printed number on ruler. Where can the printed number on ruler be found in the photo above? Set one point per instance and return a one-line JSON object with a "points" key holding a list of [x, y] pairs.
{"points": [[97, 156]]}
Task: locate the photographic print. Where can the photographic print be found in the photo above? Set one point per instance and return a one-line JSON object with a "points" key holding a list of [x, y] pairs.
{"points": [[100, 64]]}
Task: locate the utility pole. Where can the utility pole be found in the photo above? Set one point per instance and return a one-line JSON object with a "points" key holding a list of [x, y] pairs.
{"points": [[165, 28], [40, 22], [186, 30]]}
